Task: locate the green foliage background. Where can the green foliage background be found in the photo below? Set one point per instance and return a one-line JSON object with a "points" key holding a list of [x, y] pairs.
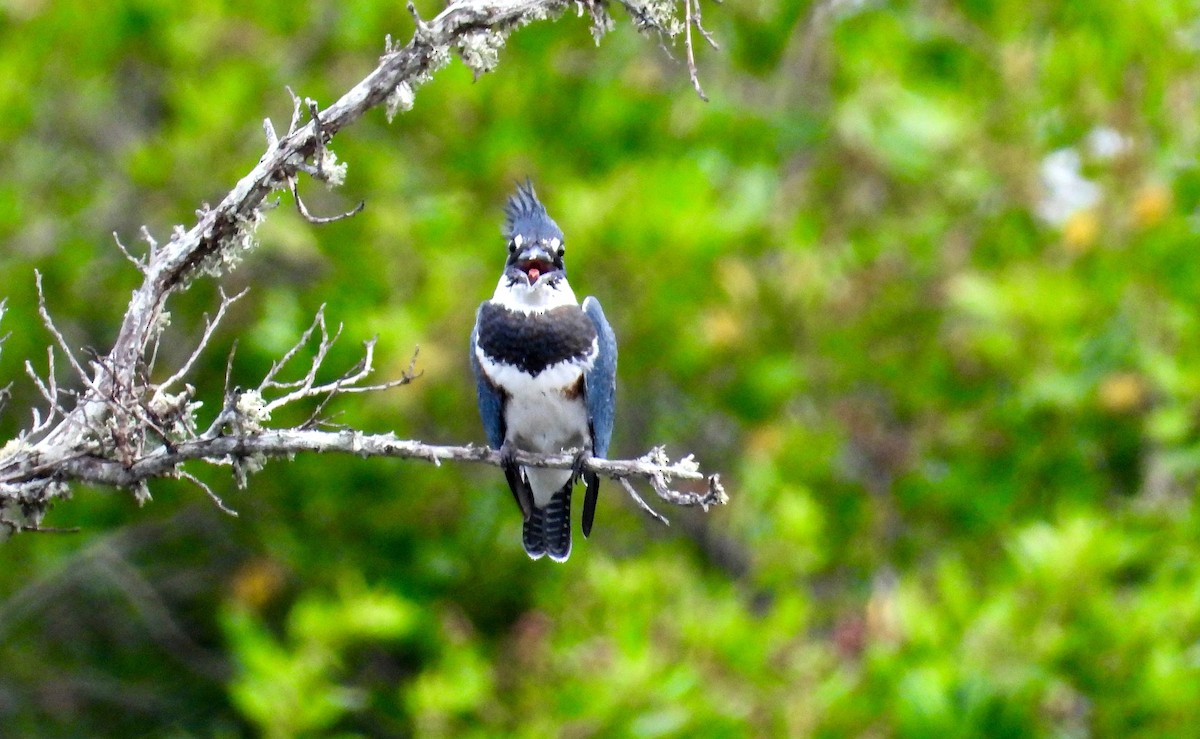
{"points": [[959, 423]]}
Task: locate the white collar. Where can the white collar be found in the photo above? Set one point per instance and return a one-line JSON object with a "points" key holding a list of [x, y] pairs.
{"points": [[537, 298]]}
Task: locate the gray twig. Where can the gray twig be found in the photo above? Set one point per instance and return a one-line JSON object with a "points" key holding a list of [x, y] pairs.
{"points": [[320, 220], [59, 339], [641, 502], [655, 468], [216, 499], [210, 325]]}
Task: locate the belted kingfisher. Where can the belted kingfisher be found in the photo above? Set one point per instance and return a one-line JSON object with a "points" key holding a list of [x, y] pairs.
{"points": [[546, 375]]}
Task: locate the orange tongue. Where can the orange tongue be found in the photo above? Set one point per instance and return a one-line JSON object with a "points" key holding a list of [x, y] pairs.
{"points": [[533, 274]]}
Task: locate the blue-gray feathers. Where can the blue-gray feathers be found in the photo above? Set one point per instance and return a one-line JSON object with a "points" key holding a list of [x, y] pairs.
{"points": [[491, 401], [601, 379], [525, 215], [601, 396]]}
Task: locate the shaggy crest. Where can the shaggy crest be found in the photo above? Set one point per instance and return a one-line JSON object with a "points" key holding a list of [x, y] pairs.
{"points": [[525, 215]]}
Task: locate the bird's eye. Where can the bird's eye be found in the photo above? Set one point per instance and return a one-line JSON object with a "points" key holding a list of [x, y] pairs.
{"points": [[512, 248], [562, 250]]}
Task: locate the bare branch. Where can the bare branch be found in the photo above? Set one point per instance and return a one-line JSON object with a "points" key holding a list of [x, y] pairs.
{"points": [[655, 467], [151, 244], [49, 391], [642, 503], [295, 123], [708, 37], [320, 220], [346, 384], [318, 322], [229, 367], [212, 496], [141, 267], [209, 327], [692, 18], [48, 530], [58, 337], [269, 132], [422, 26]]}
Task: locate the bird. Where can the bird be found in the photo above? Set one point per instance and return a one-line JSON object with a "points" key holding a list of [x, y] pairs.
{"points": [[545, 370]]}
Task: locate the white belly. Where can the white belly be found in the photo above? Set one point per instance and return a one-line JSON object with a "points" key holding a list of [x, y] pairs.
{"points": [[540, 418], [545, 422]]}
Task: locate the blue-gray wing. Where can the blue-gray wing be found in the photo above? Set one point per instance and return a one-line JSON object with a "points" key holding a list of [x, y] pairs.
{"points": [[491, 402], [601, 391], [601, 379]]}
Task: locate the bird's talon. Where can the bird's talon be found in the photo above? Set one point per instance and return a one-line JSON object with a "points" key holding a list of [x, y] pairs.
{"points": [[577, 465], [508, 454]]}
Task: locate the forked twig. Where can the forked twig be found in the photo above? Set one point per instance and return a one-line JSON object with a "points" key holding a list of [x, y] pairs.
{"points": [[209, 327], [58, 337], [691, 17], [216, 499], [642, 503], [320, 220]]}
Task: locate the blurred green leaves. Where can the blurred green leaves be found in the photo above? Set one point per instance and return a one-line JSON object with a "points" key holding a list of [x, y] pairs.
{"points": [[292, 686]]}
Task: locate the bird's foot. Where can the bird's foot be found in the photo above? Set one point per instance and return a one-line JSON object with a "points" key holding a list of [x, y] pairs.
{"points": [[516, 480], [581, 459], [508, 455]]}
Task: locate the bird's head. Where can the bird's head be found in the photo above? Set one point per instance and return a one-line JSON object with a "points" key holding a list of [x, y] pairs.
{"points": [[535, 242]]}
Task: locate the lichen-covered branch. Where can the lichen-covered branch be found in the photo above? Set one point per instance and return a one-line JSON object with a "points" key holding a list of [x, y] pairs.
{"points": [[255, 449], [122, 428]]}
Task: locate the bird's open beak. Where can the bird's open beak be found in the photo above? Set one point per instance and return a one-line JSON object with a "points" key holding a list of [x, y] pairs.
{"points": [[535, 262]]}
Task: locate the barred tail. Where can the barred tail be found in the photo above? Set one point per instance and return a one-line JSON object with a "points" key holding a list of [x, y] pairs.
{"points": [[548, 530], [531, 534]]}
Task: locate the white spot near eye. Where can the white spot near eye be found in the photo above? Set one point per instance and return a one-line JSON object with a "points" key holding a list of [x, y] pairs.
{"points": [[518, 240], [554, 243]]}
